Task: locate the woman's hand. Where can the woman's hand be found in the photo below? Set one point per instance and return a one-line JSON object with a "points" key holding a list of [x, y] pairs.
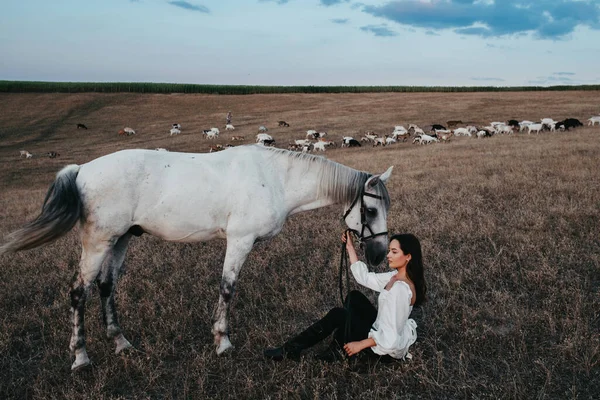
{"points": [[347, 238], [353, 348]]}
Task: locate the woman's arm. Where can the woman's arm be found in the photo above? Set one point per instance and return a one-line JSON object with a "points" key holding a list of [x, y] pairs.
{"points": [[353, 348], [347, 238]]}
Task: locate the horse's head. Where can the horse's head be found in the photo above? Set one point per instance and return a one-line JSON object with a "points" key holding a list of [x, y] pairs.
{"points": [[367, 217]]}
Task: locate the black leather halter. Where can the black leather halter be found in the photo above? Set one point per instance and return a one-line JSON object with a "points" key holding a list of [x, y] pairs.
{"points": [[363, 216]]}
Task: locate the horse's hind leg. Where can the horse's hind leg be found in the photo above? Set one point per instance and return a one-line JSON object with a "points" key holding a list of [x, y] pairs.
{"points": [[93, 255], [107, 282], [237, 251]]}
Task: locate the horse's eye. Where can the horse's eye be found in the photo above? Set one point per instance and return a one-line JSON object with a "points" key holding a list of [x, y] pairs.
{"points": [[371, 212]]}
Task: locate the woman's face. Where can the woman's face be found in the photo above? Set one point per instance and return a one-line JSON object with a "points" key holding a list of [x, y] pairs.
{"points": [[396, 257]]}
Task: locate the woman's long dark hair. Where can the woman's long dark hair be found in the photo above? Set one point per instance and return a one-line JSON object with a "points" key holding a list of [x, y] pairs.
{"points": [[411, 245]]}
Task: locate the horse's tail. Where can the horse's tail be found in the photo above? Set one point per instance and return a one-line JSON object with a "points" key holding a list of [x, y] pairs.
{"points": [[61, 210]]}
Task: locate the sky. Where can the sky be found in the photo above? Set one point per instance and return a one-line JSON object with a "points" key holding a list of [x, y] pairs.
{"points": [[303, 42]]}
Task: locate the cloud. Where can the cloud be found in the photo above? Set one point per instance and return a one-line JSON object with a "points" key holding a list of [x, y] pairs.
{"points": [[378, 30], [560, 78], [276, 1], [486, 79], [328, 3], [340, 21], [187, 6], [545, 19]]}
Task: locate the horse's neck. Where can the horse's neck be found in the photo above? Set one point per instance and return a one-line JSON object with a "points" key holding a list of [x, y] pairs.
{"points": [[302, 191]]}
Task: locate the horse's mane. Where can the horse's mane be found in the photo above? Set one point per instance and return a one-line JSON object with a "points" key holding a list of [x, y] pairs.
{"points": [[336, 181]]}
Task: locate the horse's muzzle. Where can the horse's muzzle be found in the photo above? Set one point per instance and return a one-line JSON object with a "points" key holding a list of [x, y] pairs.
{"points": [[376, 250]]}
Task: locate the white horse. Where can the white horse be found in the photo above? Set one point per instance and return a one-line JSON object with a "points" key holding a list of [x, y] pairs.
{"points": [[243, 194]]}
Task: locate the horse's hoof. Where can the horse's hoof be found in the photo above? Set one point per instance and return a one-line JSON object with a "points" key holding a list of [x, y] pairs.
{"points": [[224, 345], [81, 361], [122, 344]]}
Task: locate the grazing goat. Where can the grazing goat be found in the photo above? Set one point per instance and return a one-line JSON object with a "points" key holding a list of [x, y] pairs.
{"points": [[472, 130], [592, 121], [211, 133], [504, 129], [371, 136], [389, 140], [261, 137], [262, 129], [570, 123], [81, 126], [379, 141], [445, 137], [176, 126], [216, 147], [524, 124], [23, 153], [283, 123], [535, 128], [234, 138], [328, 143], [174, 131], [427, 139], [129, 131], [514, 123], [312, 134], [462, 132], [302, 142], [229, 127], [319, 146], [353, 143]]}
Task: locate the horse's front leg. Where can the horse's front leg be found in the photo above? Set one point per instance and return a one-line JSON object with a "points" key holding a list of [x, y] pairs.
{"points": [[237, 251]]}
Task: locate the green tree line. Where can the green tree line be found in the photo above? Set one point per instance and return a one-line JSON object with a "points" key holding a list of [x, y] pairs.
{"points": [[146, 87]]}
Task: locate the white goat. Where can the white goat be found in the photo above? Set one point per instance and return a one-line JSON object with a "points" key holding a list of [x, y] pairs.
{"points": [[311, 133], [379, 141], [319, 146], [261, 137], [302, 142], [462, 132], [592, 121], [229, 127], [174, 131], [535, 128], [524, 124]]}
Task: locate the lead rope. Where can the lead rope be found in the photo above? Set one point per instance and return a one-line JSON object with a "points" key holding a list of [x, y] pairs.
{"points": [[344, 268]]}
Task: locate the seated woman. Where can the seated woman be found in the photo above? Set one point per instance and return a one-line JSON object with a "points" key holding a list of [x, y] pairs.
{"points": [[386, 331]]}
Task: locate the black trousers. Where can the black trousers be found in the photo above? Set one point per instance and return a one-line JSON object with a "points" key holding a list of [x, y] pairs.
{"points": [[362, 315]]}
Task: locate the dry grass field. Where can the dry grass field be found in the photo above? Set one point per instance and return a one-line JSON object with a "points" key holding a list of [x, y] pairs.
{"points": [[509, 228]]}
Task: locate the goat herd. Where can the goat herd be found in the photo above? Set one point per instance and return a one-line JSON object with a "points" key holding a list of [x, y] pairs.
{"points": [[317, 140]]}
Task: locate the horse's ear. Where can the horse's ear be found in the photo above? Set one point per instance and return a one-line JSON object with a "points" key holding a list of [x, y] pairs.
{"points": [[386, 175], [372, 181]]}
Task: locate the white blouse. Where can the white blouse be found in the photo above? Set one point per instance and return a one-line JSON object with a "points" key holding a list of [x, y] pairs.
{"points": [[392, 331]]}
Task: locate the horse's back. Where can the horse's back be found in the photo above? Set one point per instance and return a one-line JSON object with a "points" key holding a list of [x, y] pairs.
{"points": [[181, 196]]}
